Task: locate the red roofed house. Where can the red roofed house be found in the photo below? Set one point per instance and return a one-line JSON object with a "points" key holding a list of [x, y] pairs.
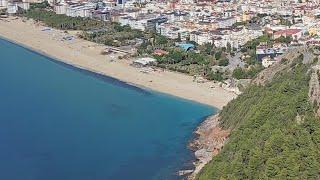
{"points": [[294, 33], [268, 30], [160, 52]]}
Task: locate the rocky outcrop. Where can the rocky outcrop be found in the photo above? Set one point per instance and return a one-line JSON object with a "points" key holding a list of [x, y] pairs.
{"points": [[185, 172], [210, 140], [211, 137], [314, 88], [267, 74]]}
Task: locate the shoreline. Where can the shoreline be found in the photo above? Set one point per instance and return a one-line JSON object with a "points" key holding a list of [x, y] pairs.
{"points": [[90, 60], [101, 75], [208, 141], [90, 72], [196, 144], [87, 56]]}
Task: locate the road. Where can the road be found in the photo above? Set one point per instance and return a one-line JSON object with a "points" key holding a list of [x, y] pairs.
{"points": [[235, 61]]}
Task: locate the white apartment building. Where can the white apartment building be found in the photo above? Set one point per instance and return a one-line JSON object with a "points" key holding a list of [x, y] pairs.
{"points": [[240, 38], [168, 30], [14, 6], [201, 38], [80, 10], [60, 8], [221, 41], [142, 23], [3, 3], [226, 22], [132, 22]]}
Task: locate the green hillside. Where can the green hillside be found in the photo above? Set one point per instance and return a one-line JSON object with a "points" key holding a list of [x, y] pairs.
{"points": [[275, 132]]}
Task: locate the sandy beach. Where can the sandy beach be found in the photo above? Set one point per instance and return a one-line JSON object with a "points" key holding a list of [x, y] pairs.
{"points": [[87, 55]]}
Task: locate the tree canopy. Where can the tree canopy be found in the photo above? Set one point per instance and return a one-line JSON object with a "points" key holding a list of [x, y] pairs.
{"points": [[276, 134]]}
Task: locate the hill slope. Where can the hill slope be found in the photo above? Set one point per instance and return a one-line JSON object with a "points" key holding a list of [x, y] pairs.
{"points": [[276, 133]]}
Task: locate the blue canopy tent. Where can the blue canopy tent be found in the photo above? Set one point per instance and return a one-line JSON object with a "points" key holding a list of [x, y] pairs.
{"points": [[186, 46]]}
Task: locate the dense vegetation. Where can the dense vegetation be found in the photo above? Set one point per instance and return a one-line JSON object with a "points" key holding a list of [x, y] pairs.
{"points": [[276, 134], [253, 67], [114, 35], [107, 33], [41, 5], [247, 73], [198, 62], [61, 21]]}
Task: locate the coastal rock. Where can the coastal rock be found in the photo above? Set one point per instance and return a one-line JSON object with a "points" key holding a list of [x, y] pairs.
{"points": [[267, 74], [203, 154], [184, 172], [314, 88], [210, 140]]}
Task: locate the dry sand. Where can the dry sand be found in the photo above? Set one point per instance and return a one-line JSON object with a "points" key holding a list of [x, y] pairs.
{"points": [[87, 55]]}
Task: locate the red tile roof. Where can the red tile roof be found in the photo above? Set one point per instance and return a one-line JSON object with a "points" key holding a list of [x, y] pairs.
{"points": [[288, 32]]}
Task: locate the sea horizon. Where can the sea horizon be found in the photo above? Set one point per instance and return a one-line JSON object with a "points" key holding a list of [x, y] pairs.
{"points": [[198, 112]]}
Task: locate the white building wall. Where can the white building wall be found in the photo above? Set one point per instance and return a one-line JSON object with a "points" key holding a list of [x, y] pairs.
{"points": [[12, 8], [203, 39], [123, 21], [226, 22], [79, 11], [141, 25], [193, 37], [3, 3], [60, 9], [24, 5]]}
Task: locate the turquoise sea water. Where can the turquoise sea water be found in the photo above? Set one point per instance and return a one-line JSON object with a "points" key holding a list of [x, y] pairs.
{"points": [[61, 123]]}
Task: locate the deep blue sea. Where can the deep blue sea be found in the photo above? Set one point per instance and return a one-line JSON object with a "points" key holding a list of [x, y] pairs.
{"points": [[61, 123]]}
